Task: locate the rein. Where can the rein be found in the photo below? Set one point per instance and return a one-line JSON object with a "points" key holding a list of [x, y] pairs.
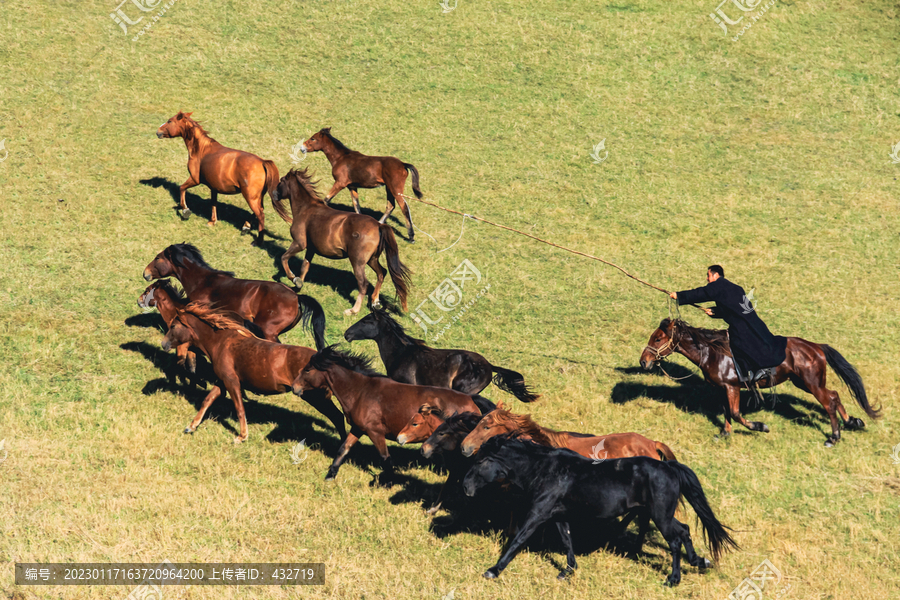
{"points": [[669, 347]]}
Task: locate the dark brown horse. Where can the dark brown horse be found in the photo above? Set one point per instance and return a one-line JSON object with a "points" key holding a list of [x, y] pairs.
{"points": [[597, 447], [271, 306], [319, 229], [223, 170], [242, 361], [409, 360], [804, 366], [353, 170], [374, 405]]}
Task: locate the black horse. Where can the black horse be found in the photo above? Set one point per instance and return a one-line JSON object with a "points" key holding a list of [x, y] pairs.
{"points": [[566, 487], [445, 442], [409, 360]]}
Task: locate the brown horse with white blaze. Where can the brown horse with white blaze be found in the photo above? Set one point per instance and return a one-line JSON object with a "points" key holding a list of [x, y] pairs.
{"points": [[223, 170], [336, 234], [354, 170], [804, 365]]}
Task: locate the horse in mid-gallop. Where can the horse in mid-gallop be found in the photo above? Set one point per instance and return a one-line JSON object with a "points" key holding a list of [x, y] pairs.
{"points": [[501, 421], [804, 365], [409, 360], [223, 170], [336, 234], [353, 170], [271, 306]]}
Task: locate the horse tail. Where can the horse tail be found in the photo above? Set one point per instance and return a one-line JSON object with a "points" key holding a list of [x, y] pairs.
{"points": [[400, 274], [513, 383], [312, 318], [717, 537], [851, 379], [272, 180], [415, 175], [665, 453]]}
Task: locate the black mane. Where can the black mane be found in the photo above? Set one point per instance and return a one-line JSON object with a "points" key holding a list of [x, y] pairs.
{"points": [[338, 144], [178, 252], [177, 294], [391, 325], [331, 355], [715, 338]]}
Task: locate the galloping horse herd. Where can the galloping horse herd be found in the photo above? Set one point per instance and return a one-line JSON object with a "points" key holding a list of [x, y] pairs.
{"points": [[430, 396]]}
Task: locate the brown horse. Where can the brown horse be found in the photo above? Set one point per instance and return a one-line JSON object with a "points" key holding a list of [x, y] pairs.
{"points": [[353, 170], [374, 405], [223, 170], [163, 296], [319, 229], [271, 306], [242, 361], [804, 366], [598, 447]]}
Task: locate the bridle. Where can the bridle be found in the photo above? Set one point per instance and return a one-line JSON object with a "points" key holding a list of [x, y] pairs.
{"points": [[669, 347]]}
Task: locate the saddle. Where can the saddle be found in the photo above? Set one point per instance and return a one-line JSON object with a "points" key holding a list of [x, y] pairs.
{"points": [[754, 376]]}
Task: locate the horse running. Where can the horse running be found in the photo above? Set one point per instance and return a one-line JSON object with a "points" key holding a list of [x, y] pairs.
{"points": [[804, 365], [223, 170], [353, 170], [319, 229]]}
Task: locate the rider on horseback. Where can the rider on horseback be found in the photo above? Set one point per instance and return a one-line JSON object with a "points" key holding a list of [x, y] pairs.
{"points": [[752, 344]]}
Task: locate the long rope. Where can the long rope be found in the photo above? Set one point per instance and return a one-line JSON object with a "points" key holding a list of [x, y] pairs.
{"points": [[543, 241]]}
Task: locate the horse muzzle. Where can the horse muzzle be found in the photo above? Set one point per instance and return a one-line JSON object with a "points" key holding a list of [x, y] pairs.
{"points": [[401, 439], [166, 345], [469, 488], [467, 450], [427, 450], [648, 364]]}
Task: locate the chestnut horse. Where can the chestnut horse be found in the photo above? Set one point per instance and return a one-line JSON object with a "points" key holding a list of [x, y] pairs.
{"points": [[319, 229], [353, 170], [409, 360], [374, 405], [598, 447], [163, 296], [804, 366], [223, 170], [242, 361], [271, 306]]}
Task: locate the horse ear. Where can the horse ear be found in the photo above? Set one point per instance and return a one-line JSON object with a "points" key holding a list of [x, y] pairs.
{"points": [[326, 130], [187, 115], [501, 406]]}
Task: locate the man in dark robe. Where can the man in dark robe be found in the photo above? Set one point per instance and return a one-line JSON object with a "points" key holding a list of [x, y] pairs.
{"points": [[752, 344]]}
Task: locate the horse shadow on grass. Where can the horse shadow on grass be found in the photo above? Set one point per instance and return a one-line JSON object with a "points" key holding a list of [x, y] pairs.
{"points": [[695, 395]]}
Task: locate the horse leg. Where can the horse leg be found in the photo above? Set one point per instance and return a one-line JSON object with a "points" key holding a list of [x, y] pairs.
{"points": [[404, 207], [185, 211], [379, 274], [566, 536], [295, 247], [214, 198], [534, 520], [210, 397], [304, 268], [351, 439], [359, 269], [829, 400], [734, 400], [387, 471], [692, 557], [233, 386], [672, 534], [256, 207], [321, 401], [337, 187], [389, 208], [355, 195]]}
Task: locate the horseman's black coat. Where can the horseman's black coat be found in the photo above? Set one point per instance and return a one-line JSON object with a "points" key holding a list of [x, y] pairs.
{"points": [[565, 487], [752, 344]]}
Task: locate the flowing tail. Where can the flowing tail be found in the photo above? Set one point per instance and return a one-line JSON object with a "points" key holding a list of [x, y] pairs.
{"points": [[851, 379], [400, 274], [665, 452], [513, 383], [717, 538], [272, 181], [312, 318], [415, 175]]}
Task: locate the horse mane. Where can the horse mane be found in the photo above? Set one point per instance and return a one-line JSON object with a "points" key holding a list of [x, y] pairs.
{"points": [[194, 126], [176, 294], [717, 339], [302, 178], [391, 325], [524, 425], [427, 409], [215, 318], [459, 423], [178, 252], [326, 131], [325, 358]]}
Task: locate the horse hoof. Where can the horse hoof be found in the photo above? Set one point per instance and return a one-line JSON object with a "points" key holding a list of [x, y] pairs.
{"points": [[298, 283], [412, 241], [433, 510], [245, 229], [376, 304], [830, 442], [188, 430], [350, 312], [185, 214], [491, 573], [238, 440], [672, 581], [757, 426], [854, 423]]}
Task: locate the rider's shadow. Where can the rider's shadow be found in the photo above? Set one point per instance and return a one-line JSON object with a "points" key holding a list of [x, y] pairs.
{"points": [[695, 395]]}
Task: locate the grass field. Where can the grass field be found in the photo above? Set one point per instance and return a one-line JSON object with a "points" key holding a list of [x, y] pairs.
{"points": [[768, 155]]}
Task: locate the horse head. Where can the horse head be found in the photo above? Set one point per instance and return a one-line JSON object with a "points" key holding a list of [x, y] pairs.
{"points": [[663, 342], [176, 126]]}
